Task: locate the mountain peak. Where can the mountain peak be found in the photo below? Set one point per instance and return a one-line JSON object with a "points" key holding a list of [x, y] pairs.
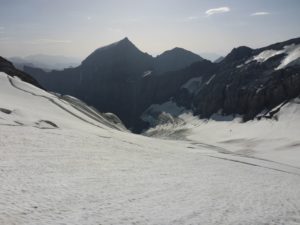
{"points": [[177, 51], [238, 53], [125, 42], [122, 48], [175, 59], [126, 39]]}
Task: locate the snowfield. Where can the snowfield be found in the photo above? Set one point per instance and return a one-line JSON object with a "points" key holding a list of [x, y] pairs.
{"points": [[270, 139], [62, 162]]}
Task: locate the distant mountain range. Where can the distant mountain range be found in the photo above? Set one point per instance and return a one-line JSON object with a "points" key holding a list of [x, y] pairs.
{"points": [[46, 62], [219, 59], [112, 77], [210, 56], [121, 79]]}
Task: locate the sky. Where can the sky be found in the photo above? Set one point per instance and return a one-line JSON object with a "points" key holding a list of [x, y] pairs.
{"points": [[77, 27]]}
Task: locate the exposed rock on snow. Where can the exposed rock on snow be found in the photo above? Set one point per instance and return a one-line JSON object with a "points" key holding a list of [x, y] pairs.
{"points": [[6, 111], [46, 124]]}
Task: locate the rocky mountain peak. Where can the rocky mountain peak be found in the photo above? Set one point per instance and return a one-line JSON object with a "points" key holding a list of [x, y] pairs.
{"points": [[239, 53], [120, 51], [175, 59]]}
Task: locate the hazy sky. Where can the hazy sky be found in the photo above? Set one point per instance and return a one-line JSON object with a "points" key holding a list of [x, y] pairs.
{"points": [[77, 27]]}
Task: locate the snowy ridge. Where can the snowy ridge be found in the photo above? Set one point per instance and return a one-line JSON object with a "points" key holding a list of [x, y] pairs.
{"points": [[265, 55], [292, 55], [33, 106]]}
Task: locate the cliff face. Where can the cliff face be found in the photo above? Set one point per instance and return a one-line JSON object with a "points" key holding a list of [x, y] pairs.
{"points": [[119, 78], [248, 81]]}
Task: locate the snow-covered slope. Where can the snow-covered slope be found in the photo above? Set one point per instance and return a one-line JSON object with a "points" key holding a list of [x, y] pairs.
{"points": [[23, 104], [271, 139], [63, 163]]}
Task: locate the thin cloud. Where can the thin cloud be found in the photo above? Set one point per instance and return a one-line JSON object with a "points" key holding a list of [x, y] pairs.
{"points": [[50, 41], [89, 18], [189, 19], [2, 28], [260, 14], [217, 10]]}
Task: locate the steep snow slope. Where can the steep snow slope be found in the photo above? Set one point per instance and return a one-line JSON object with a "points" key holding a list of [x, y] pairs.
{"points": [[25, 104], [85, 171]]}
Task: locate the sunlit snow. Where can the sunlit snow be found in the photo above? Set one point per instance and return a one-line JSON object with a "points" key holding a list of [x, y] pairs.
{"points": [[90, 170]]}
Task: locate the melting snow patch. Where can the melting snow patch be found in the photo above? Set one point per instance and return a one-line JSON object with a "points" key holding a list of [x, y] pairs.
{"points": [[293, 55], [193, 85], [147, 73], [212, 77]]}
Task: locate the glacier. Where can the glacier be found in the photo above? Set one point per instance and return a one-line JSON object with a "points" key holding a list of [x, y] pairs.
{"points": [[63, 162]]}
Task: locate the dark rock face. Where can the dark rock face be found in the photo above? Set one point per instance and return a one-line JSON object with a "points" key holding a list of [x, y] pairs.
{"points": [[237, 55], [118, 78], [158, 89], [123, 80], [8, 68], [245, 86], [107, 79]]}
